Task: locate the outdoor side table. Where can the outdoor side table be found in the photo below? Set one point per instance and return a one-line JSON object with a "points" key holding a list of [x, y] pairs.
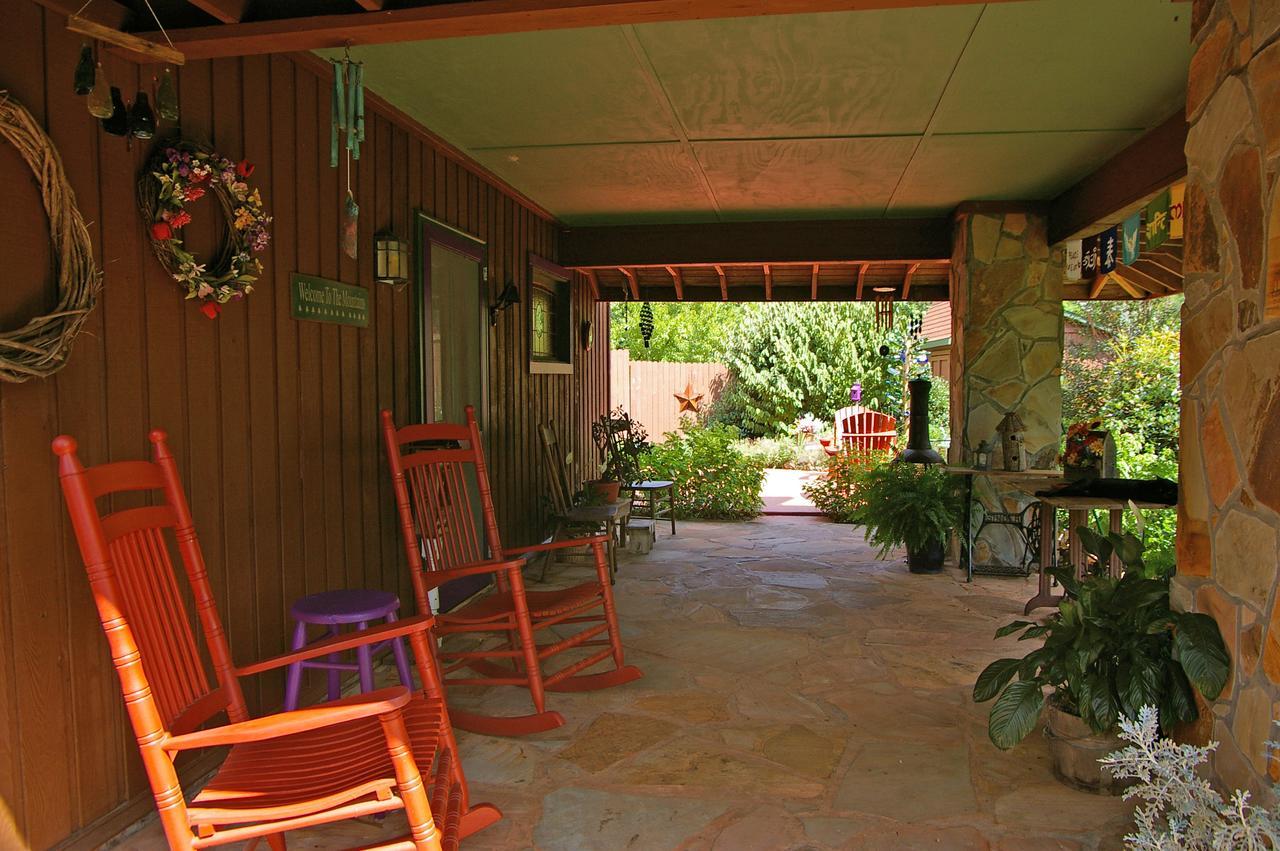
{"points": [[650, 495], [335, 609]]}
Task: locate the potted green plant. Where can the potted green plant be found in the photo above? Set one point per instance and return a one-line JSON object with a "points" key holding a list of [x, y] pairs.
{"points": [[1113, 646], [620, 441], [913, 505]]}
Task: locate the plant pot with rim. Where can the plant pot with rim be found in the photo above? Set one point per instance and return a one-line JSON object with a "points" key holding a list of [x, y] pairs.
{"points": [[605, 490], [916, 506], [1113, 646]]}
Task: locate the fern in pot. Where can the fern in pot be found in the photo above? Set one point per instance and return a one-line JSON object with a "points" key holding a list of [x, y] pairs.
{"points": [[916, 506], [1113, 646]]}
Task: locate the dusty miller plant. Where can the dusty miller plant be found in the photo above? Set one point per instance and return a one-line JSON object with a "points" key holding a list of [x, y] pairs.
{"points": [[1182, 811]]}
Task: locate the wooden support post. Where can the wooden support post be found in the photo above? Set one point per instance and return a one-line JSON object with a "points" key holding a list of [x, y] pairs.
{"points": [[630, 275], [862, 273], [906, 282], [768, 283], [595, 284]]}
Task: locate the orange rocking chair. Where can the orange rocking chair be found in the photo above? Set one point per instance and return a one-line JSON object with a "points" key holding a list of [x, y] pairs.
{"points": [[372, 753], [430, 468]]}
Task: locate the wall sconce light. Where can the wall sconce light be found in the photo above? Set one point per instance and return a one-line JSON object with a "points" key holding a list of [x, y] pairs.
{"points": [[510, 295], [390, 258]]}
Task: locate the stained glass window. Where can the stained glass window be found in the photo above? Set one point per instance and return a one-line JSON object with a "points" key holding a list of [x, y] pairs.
{"points": [[543, 330]]}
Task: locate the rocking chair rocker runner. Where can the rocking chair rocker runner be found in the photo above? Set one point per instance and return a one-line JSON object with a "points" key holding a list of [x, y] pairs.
{"points": [[371, 753], [430, 468]]}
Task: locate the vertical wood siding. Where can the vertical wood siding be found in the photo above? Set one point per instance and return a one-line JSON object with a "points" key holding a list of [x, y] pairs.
{"points": [[274, 420]]}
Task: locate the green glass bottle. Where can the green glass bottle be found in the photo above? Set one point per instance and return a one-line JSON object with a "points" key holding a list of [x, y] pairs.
{"points": [[99, 102], [142, 121], [84, 70], [117, 124], [167, 97]]}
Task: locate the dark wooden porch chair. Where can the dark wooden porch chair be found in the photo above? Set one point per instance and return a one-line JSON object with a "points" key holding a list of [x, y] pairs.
{"points": [[577, 522], [376, 752], [432, 468]]}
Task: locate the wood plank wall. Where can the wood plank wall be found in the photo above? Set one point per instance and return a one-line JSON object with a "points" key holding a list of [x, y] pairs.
{"points": [[273, 420]]}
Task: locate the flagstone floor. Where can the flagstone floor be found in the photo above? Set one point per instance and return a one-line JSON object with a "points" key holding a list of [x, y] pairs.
{"points": [[798, 694]]}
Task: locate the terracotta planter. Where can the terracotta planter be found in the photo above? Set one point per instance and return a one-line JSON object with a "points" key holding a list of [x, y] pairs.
{"points": [[1075, 749], [927, 559], [607, 491]]}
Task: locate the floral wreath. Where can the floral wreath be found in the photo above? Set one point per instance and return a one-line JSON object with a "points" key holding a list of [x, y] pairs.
{"points": [[183, 172]]}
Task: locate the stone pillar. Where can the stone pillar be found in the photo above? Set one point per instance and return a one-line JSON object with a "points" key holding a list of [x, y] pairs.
{"points": [[1229, 511], [1006, 333]]}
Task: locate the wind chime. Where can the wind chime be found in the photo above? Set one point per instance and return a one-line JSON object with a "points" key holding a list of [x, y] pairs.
{"points": [[646, 323], [105, 101], [884, 312], [346, 127]]}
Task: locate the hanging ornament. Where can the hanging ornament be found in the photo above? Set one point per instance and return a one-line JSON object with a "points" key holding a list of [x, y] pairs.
{"points": [[100, 105], [167, 96], [346, 117], [142, 121], [884, 312], [646, 323], [84, 70], [117, 124], [350, 226]]}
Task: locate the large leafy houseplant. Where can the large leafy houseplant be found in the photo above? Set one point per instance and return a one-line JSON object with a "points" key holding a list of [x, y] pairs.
{"points": [[620, 441], [911, 505], [1113, 646]]}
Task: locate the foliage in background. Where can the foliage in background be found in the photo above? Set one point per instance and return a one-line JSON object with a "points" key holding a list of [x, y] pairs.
{"points": [[714, 480], [835, 493], [1128, 378], [784, 453], [1112, 647], [1182, 811], [916, 506], [683, 332], [787, 360]]}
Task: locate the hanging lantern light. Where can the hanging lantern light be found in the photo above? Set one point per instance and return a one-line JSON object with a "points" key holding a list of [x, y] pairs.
{"points": [[99, 103], [390, 258], [646, 323]]}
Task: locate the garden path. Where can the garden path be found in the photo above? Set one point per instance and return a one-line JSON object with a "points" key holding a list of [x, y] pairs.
{"points": [[783, 492], [799, 693]]}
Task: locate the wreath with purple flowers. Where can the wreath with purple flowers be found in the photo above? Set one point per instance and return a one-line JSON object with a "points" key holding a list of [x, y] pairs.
{"points": [[184, 172]]}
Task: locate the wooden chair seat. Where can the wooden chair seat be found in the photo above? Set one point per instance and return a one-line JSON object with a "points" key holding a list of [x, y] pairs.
{"points": [[242, 791], [542, 604]]}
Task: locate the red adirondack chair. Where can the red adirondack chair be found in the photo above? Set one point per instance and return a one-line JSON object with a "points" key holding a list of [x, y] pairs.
{"points": [[432, 466], [372, 753], [864, 431]]}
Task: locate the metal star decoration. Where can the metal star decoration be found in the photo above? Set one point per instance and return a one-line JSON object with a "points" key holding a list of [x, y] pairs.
{"points": [[689, 401]]}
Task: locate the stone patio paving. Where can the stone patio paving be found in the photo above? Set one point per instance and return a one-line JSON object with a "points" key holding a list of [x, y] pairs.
{"points": [[798, 694]]}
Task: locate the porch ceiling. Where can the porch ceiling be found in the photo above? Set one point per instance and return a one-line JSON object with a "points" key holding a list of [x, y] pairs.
{"points": [[897, 112]]}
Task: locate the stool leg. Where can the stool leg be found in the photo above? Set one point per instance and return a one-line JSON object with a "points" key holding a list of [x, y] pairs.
{"points": [[335, 681], [397, 650], [293, 675], [671, 507], [364, 661]]}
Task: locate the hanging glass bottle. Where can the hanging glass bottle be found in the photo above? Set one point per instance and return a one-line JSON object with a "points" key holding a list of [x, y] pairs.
{"points": [[167, 96], [117, 124], [84, 70], [142, 121], [99, 102]]}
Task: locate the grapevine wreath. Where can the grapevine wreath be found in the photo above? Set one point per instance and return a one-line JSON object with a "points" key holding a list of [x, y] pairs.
{"points": [[40, 347], [180, 173]]}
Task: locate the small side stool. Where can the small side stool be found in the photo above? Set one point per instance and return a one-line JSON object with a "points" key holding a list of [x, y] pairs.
{"points": [[647, 499], [334, 609]]}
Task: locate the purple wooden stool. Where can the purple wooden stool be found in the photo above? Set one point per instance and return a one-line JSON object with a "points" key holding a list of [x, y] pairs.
{"points": [[334, 609]]}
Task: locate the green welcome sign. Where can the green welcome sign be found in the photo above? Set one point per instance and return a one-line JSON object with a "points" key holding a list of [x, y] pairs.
{"points": [[322, 300]]}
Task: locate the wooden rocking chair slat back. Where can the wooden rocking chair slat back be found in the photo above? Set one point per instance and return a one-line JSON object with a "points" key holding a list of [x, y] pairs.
{"points": [[433, 468], [128, 557], [556, 464]]}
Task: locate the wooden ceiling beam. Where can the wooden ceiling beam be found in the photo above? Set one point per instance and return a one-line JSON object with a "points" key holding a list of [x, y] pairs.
{"points": [[490, 17], [594, 280], [142, 49], [1131, 289], [1150, 278], [677, 281], [768, 283], [776, 242], [813, 283], [862, 274], [1123, 183], [226, 11], [724, 285], [630, 275], [798, 293], [1097, 286], [372, 5], [906, 281]]}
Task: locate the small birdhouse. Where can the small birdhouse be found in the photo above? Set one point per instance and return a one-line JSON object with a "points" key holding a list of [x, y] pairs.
{"points": [[1012, 442]]}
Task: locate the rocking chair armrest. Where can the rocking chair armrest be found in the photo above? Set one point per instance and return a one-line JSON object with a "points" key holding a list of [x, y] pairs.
{"points": [[334, 712], [558, 545], [345, 641], [436, 578]]}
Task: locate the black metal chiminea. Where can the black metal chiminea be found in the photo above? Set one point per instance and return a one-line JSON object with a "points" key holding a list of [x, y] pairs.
{"points": [[918, 450]]}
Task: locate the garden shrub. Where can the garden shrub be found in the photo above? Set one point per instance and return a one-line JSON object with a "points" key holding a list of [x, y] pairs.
{"points": [[783, 454], [714, 480], [835, 493]]}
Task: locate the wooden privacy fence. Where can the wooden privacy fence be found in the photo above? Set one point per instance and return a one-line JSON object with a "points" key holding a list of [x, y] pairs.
{"points": [[647, 389]]}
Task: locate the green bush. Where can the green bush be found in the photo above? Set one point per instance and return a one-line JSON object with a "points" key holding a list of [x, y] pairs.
{"points": [[714, 480], [783, 454], [835, 493]]}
